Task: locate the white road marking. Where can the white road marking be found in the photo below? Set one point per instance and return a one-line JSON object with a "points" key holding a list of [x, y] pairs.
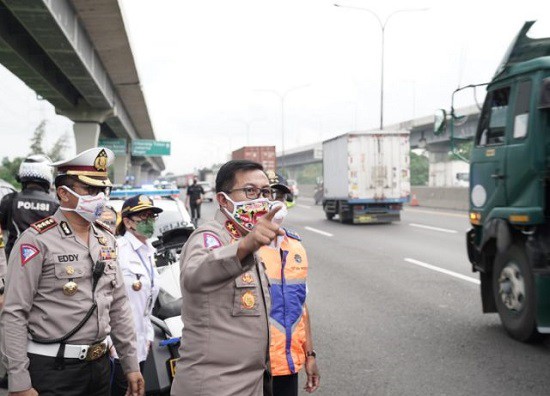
{"points": [[318, 231], [443, 271], [434, 228], [303, 206]]}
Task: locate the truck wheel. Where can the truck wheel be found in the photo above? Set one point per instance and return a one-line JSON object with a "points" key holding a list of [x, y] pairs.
{"points": [[329, 215], [514, 292]]}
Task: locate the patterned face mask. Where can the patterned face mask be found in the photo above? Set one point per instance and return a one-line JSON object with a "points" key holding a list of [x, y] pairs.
{"points": [[247, 213], [89, 207]]}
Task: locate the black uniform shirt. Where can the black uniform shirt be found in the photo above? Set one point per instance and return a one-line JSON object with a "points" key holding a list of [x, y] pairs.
{"points": [[194, 192], [21, 209]]}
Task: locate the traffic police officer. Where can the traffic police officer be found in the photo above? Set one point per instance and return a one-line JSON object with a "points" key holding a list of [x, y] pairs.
{"points": [[65, 293], [225, 342], [19, 210]]}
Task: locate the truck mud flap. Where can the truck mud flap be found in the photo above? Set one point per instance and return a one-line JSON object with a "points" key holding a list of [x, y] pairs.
{"points": [[542, 281], [473, 254]]}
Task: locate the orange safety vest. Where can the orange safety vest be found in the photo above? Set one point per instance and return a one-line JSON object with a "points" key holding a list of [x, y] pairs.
{"points": [[287, 272]]}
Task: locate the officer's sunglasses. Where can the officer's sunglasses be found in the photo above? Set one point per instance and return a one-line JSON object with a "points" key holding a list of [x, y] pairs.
{"points": [[145, 216], [91, 190], [254, 192]]}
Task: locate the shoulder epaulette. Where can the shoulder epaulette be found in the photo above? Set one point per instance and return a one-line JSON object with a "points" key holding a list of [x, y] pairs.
{"points": [[44, 225], [292, 234], [104, 226]]}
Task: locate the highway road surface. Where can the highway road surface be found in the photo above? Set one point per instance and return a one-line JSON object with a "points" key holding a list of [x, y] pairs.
{"points": [[396, 311]]}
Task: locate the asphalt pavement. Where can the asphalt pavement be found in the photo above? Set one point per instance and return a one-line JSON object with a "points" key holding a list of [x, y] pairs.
{"points": [[396, 310]]}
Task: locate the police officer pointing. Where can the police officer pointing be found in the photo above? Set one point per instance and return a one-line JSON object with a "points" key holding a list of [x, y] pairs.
{"points": [[65, 293], [19, 210]]}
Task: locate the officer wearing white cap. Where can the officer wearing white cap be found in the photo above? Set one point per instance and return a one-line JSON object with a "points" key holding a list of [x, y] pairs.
{"points": [[65, 293], [19, 210]]}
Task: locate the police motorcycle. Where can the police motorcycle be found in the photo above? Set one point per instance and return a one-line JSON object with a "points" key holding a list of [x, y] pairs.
{"points": [[159, 369]]}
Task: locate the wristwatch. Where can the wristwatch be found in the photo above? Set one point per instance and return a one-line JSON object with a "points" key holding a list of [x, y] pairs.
{"points": [[311, 353]]}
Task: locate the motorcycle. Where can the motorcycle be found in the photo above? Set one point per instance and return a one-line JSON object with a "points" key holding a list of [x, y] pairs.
{"points": [[160, 365]]}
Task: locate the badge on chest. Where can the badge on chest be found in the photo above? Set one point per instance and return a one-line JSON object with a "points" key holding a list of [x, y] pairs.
{"points": [[107, 253]]}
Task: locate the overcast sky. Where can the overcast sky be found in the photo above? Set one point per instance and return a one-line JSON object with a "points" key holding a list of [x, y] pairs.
{"points": [[205, 66]]}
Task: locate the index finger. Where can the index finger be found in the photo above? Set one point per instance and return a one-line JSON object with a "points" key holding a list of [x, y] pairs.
{"points": [[269, 216]]}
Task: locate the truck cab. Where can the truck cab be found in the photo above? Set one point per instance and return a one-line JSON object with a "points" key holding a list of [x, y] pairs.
{"points": [[509, 242]]}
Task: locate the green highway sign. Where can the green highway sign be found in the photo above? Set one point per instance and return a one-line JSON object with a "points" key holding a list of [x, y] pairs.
{"points": [[150, 148], [117, 145]]}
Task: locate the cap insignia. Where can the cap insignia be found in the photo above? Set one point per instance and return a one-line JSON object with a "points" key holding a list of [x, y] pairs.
{"points": [[100, 163]]}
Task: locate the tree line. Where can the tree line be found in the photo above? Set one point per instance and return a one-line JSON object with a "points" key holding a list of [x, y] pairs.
{"points": [[10, 167]]}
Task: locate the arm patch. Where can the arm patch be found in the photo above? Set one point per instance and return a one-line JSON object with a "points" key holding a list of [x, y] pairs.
{"points": [[292, 234], [44, 225]]}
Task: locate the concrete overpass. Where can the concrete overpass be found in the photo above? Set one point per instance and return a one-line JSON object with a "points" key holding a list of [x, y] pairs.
{"points": [[76, 55], [295, 160]]}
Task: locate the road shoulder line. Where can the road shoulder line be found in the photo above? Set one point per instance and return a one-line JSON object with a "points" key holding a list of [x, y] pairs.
{"points": [[321, 232], [442, 270], [448, 231]]}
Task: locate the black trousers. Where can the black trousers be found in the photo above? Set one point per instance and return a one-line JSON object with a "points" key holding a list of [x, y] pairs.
{"points": [[77, 378], [119, 384], [285, 385], [195, 211]]}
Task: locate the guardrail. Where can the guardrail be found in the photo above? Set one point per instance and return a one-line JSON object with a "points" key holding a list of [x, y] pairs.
{"points": [[455, 198]]}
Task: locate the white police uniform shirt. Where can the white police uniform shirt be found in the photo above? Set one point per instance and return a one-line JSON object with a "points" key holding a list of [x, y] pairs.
{"points": [[131, 253]]}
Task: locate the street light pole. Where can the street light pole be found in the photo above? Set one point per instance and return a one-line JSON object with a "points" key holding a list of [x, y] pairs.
{"points": [[247, 124], [383, 31], [282, 97]]}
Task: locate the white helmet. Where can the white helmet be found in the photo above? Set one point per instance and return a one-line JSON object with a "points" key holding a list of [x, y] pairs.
{"points": [[36, 168]]}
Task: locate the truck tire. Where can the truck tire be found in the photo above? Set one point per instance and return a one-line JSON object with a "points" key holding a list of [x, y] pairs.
{"points": [[514, 292], [329, 215]]}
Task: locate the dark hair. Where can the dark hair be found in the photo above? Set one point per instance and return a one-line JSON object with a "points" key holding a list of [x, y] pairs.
{"points": [[120, 228], [63, 180], [225, 180]]}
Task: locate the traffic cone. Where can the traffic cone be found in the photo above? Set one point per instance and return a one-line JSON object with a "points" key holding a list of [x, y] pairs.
{"points": [[414, 201]]}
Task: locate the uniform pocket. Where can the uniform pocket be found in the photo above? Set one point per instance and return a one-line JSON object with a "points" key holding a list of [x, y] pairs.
{"points": [[110, 274], [70, 281], [246, 301]]}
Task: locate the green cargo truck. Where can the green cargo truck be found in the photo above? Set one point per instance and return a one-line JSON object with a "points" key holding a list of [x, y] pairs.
{"points": [[509, 242]]}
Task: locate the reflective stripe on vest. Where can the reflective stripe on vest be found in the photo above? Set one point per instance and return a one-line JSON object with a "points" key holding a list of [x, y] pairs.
{"points": [[287, 270]]}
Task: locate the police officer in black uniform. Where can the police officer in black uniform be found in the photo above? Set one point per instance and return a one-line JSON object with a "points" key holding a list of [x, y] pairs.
{"points": [[19, 210]]}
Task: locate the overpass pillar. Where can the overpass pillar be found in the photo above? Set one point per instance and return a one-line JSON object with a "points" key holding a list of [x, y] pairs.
{"points": [[135, 171], [439, 159], [144, 173], [87, 125], [121, 168], [86, 135], [153, 175]]}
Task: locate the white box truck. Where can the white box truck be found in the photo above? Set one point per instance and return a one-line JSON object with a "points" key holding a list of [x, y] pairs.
{"points": [[366, 176]]}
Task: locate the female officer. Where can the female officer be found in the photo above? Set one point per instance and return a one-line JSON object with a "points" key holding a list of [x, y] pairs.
{"points": [[136, 259]]}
